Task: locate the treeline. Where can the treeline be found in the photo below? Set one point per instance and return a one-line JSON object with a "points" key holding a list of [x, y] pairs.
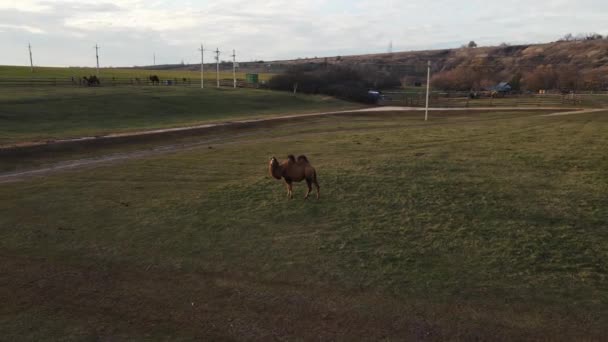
{"points": [[581, 36], [347, 82], [548, 77]]}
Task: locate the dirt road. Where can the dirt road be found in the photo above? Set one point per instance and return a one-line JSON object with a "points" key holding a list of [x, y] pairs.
{"points": [[90, 162]]}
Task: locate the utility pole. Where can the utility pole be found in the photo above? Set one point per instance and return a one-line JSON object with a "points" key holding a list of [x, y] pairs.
{"points": [[153, 58], [428, 88], [31, 60], [97, 57], [217, 71], [234, 68], [202, 66]]}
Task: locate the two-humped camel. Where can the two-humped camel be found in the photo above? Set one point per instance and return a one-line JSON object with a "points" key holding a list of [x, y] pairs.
{"points": [[294, 170]]}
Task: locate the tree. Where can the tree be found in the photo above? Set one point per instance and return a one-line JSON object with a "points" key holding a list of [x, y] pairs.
{"points": [[568, 37], [594, 36], [407, 81], [567, 78], [460, 78], [516, 82], [472, 45], [345, 82], [543, 77]]}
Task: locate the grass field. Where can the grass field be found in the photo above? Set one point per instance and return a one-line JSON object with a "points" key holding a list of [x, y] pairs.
{"points": [[104, 73], [487, 226], [46, 113]]}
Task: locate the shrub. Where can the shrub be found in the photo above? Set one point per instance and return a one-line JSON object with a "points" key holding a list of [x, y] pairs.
{"points": [[344, 82]]}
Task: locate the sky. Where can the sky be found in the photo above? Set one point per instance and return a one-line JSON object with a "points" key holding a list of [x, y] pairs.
{"points": [[130, 32]]}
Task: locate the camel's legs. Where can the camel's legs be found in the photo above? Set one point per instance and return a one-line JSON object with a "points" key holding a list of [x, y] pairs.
{"points": [[309, 183], [318, 188], [289, 189]]}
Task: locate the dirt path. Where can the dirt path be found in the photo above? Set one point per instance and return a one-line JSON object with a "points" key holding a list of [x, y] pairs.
{"points": [[88, 162], [203, 127], [575, 112]]}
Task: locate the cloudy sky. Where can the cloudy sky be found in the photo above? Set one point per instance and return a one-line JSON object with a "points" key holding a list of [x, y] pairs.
{"points": [[63, 33]]}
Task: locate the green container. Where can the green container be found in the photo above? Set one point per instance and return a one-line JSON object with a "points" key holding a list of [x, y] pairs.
{"points": [[252, 78]]}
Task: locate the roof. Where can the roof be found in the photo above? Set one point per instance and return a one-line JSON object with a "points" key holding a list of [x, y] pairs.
{"points": [[503, 86]]}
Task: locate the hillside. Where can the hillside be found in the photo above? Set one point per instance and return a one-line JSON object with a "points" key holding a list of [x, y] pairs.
{"points": [[584, 54], [572, 64]]}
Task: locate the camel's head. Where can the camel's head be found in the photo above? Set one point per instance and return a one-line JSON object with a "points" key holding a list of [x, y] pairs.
{"points": [[273, 166], [273, 162]]}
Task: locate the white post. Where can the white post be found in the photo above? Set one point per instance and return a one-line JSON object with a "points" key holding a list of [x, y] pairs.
{"points": [[202, 67], [428, 88], [31, 60], [97, 58], [217, 71], [234, 67]]}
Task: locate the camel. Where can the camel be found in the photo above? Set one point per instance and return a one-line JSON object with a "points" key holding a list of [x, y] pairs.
{"points": [[294, 170], [154, 79]]}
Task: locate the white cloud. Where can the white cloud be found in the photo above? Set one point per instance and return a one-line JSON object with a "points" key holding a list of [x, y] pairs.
{"points": [[130, 30], [24, 5], [26, 28]]}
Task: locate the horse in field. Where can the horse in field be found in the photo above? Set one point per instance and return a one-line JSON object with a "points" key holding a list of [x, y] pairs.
{"points": [[294, 170], [91, 81]]}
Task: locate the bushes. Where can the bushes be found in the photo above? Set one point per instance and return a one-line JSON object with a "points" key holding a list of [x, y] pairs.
{"points": [[344, 82]]}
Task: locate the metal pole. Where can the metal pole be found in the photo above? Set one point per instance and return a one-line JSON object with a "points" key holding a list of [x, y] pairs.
{"points": [[234, 67], [428, 88], [97, 58], [217, 71], [153, 58], [202, 67], [31, 60]]}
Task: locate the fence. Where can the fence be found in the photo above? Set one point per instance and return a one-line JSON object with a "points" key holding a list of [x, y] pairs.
{"points": [[459, 99], [115, 81]]}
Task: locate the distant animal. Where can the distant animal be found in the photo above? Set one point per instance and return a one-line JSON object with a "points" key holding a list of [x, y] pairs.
{"points": [[497, 94], [294, 170], [154, 79], [91, 80]]}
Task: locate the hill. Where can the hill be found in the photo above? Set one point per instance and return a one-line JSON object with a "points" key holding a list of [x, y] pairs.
{"points": [[558, 65]]}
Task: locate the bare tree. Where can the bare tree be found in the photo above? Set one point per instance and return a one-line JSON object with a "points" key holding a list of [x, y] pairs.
{"points": [[594, 36]]}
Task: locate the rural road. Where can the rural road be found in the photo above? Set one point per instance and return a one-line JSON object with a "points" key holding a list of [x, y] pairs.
{"points": [[88, 162]]}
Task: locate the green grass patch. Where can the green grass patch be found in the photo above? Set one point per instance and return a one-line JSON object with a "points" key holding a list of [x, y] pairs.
{"points": [[108, 73], [484, 226], [34, 114]]}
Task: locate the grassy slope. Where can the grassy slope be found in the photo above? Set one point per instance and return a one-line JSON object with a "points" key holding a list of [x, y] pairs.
{"points": [[46, 72], [478, 226], [48, 113]]}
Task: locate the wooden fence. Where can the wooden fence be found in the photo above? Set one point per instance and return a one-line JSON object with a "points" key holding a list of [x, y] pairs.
{"points": [[448, 100], [115, 82]]}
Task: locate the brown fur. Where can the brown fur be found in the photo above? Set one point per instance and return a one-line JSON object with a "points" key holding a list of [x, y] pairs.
{"points": [[294, 170]]}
